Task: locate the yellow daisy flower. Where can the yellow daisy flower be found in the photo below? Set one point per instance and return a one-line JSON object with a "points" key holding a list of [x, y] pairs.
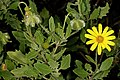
{"points": [[100, 39]]}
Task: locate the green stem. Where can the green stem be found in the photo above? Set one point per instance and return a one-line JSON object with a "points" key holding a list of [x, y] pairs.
{"points": [[20, 7], [44, 28], [65, 20], [96, 61]]}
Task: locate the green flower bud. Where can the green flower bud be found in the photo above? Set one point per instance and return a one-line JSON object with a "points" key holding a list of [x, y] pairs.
{"points": [[77, 24]]}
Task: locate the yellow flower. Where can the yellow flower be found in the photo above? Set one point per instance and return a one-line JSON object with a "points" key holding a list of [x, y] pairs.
{"points": [[100, 39]]}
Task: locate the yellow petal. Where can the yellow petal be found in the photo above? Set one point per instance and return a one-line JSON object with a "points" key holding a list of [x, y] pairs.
{"points": [[93, 46], [91, 32], [109, 33], [90, 42], [89, 36], [110, 43], [100, 28], [99, 49], [105, 30], [103, 46], [108, 47], [95, 30], [110, 37]]}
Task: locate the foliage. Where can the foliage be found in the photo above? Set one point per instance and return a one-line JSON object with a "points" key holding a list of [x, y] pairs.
{"points": [[45, 43]]}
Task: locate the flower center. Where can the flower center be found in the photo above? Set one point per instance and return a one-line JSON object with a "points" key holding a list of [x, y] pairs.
{"points": [[99, 39]]}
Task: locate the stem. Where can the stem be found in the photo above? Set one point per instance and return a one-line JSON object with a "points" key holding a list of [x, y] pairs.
{"points": [[96, 61], [57, 44], [44, 28], [65, 20], [20, 7]]}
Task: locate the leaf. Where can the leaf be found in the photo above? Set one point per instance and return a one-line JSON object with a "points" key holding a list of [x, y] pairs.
{"points": [[10, 65], [65, 63], [32, 54], [44, 13], [72, 10], [82, 36], [90, 59], [43, 68], [106, 64], [28, 37], [33, 6], [51, 24], [79, 64], [60, 32], [17, 56], [39, 37], [14, 5], [6, 75], [58, 55], [95, 13], [104, 11], [80, 72], [88, 67], [101, 74], [68, 31], [53, 64]]}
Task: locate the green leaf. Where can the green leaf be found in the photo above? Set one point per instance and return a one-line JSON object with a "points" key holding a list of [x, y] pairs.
{"points": [[88, 67], [90, 59], [19, 72], [53, 64], [68, 31], [58, 55], [65, 63], [85, 6], [106, 64], [72, 10], [95, 13], [80, 72], [44, 13], [34, 46], [31, 72], [14, 5], [60, 32], [17, 56], [6, 75], [51, 24], [104, 10], [43, 68], [39, 37], [32, 54], [33, 6], [10, 65], [101, 74], [28, 37], [82, 36], [79, 64]]}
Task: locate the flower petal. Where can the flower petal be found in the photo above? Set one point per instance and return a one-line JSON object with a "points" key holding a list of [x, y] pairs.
{"points": [[90, 42], [91, 32], [99, 49], [108, 47], [89, 36], [109, 33], [93, 46], [105, 30], [110, 37], [100, 28], [95, 30], [110, 43], [102, 45]]}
